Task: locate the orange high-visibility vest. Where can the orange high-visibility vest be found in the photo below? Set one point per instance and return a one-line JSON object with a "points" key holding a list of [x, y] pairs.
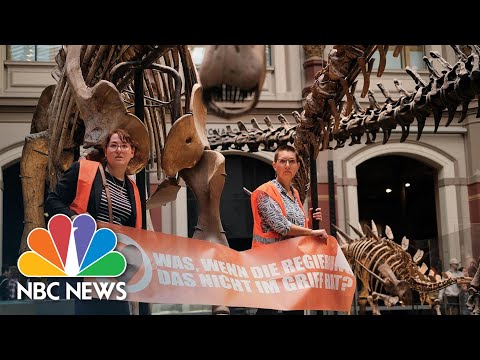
{"points": [[271, 190], [86, 175]]}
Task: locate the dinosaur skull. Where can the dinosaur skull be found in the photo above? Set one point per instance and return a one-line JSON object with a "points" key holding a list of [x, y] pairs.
{"points": [[232, 74]]}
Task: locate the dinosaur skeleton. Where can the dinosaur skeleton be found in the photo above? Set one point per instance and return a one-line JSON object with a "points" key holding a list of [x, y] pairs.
{"points": [[95, 94], [270, 138], [388, 272], [325, 118]]}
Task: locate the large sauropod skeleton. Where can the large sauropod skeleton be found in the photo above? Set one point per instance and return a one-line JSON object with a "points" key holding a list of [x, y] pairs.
{"points": [[326, 117], [94, 94]]}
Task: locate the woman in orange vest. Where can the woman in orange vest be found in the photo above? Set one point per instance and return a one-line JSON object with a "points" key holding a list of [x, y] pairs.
{"points": [[277, 210], [82, 190]]}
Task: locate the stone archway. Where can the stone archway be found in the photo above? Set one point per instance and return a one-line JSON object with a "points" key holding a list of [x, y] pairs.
{"points": [[448, 210], [8, 156]]}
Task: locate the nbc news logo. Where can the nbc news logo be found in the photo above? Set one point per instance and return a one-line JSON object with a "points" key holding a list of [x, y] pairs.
{"points": [[74, 250]]}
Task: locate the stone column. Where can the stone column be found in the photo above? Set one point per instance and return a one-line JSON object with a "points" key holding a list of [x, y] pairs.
{"points": [[314, 62], [473, 176]]}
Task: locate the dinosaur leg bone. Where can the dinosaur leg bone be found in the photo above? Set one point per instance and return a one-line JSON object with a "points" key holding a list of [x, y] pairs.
{"points": [[33, 172], [387, 299], [396, 287], [373, 301], [206, 179], [363, 297], [33, 167]]}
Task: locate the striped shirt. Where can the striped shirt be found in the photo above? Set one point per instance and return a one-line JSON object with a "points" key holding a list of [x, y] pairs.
{"points": [[121, 207], [272, 216]]}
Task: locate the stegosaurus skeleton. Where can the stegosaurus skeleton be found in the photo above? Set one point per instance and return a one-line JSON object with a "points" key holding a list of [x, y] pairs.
{"points": [[383, 265]]}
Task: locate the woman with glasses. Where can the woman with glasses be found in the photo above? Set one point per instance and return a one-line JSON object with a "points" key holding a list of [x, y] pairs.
{"points": [[119, 150], [277, 210], [103, 190]]}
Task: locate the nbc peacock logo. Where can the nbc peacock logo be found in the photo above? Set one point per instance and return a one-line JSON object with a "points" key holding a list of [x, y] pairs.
{"points": [[72, 249]]}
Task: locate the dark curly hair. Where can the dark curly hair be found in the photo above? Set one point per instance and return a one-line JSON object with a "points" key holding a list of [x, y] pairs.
{"points": [[124, 135]]}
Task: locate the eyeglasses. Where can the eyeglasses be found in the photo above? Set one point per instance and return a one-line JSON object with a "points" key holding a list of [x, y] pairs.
{"points": [[123, 147], [284, 162]]}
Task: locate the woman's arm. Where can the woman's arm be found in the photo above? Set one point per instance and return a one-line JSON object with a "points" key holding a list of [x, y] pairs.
{"points": [[296, 230], [58, 201]]}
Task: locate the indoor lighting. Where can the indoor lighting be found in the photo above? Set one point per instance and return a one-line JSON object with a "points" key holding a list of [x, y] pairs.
{"points": [[388, 190], [407, 184]]}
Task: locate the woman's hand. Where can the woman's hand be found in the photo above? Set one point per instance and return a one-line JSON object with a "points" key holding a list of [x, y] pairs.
{"points": [[321, 233], [317, 215]]}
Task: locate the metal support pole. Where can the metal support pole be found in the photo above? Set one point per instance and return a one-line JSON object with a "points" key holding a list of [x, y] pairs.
{"points": [[144, 308], [314, 200], [313, 185], [139, 112], [331, 201], [331, 198]]}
